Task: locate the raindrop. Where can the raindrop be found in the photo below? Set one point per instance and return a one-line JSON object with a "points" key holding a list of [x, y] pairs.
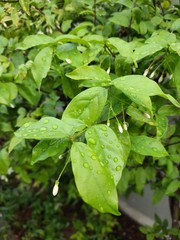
{"points": [[89, 132], [43, 129], [93, 157], [55, 127], [26, 124], [98, 172], [108, 192], [109, 156], [105, 134], [46, 121], [118, 168], [115, 159], [101, 209], [102, 146], [154, 149], [110, 142], [104, 128], [91, 140], [86, 165], [102, 164], [34, 135], [91, 168], [82, 154], [79, 111]]}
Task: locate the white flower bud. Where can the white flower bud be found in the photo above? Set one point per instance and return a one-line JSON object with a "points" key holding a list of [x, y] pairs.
{"points": [[108, 123], [152, 74], [125, 126], [146, 72], [147, 115], [55, 188], [108, 70], [68, 60], [120, 128]]}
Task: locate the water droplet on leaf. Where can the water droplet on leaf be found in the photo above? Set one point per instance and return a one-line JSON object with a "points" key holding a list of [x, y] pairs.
{"points": [[118, 168], [93, 157], [46, 121], [26, 124], [43, 129], [115, 159], [55, 127], [86, 165], [91, 140]]}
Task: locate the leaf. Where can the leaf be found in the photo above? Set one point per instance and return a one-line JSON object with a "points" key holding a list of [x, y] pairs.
{"points": [[168, 110], [4, 162], [123, 47], [87, 106], [34, 40], [176, 25], [13, 143], [176, 75], [41, 65], [93, 181], [25, 6], [175, 47], [173, 187], [162, 125], [148, 146], [48, 148], [8, 91], [139, 89], [121, 18], [69, 52], [65, 38], [146, 50], [103, 141], [89, 72], [140, 179], [127, 3], [48, 127]]}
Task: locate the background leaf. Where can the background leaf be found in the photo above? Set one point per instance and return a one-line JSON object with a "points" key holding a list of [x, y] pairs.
{"points": [[8, 91]]}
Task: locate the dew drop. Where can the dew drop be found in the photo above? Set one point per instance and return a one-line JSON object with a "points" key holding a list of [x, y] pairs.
{"points": [[91, 140], [93, 157], [105, 134], [55, 127], [98, 172], [115, 159], [104, 128], [91, 168], [79, 111], [86, 165], [46, 121], [108, 192], [26, 125], [102, 164], [118, 168], [89, 132], [154, 149], [110, 142], [102, 146], [43, 129]]}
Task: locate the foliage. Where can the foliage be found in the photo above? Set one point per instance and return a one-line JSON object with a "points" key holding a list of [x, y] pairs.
{"points": [[99, 87]]}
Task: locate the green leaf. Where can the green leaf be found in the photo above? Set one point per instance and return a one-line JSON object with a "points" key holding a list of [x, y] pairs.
{"points": [[13, 143], [168, 110], [127, 3], [121, 18], [176, 75], [124, 181], [8, 91], [89, 72], [68, 52], [25, 6], [48, 148], [4, 161], [148, 146], [158, 195], [103, 141], [41, 65], [175, 47], [87, 106], [123, 47], [176, 25], [139, 89], [140, 179], [49, 127], [70, 38], [34, 40], [162, 125], [93, 181], [146, 50], [173, 187]]}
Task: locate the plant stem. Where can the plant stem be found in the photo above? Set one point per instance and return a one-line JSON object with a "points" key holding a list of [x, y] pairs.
{"points": [[95, 17]]}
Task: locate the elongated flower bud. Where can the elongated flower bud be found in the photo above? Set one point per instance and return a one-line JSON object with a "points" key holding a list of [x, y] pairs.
{"points": [[125, 126], [55, 188], [147, 115], [120, 128]]}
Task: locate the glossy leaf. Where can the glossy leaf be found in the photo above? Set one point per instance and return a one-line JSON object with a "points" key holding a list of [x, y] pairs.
{"points": [[90, 72], [87, 106], [121, 18], [146, 50], [139, 89], [103, 141], [41, 65], [148, 146], [48, 148], [168, 110], [93, 181], [48, 127], [70, 38], [8, 91], [69, 52], [34, 40]]}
